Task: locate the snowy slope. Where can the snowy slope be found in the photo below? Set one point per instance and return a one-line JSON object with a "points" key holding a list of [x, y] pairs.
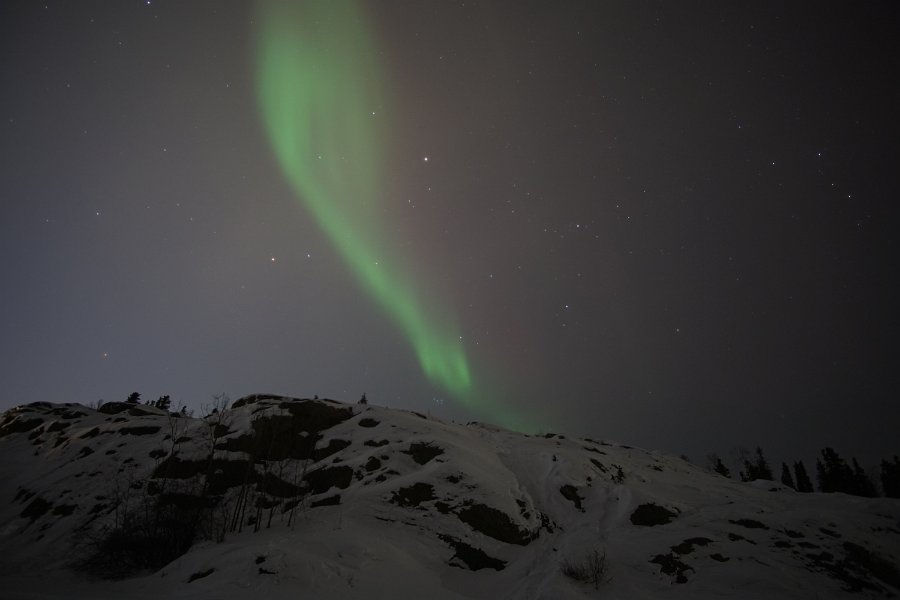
{"points": [[403, 506]]}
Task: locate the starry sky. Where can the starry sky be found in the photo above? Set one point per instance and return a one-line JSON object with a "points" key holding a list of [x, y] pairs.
{"points": [[669, 224]]}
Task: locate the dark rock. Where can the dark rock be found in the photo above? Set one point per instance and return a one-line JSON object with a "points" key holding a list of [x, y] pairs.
{"points": [[223, 474], [472, 558], [241, 443], [413, 495], [200, 575], [650, 515], [36, 509], [332, 447], [113, 408], [322, 480], [274, 486], [494, 523], [423, 452], [91, 433], [748, 523], [315, 416], [64, 510], [254, 398], [570, 492], [140, 430], [16, 425], [687, 546], [670, 565], [329, 501]]}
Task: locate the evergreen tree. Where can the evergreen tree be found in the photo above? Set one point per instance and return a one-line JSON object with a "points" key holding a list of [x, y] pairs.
{"points": [[164, 402], [833, 473], [719, 467], [786, 478], [890, 477], [803, 482], [134, 398], [758, 468], [862, 483], [363, 400], [762, 467]]}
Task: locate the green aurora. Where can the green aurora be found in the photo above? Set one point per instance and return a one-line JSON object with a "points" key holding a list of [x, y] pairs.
{"points": [[318, 87]]}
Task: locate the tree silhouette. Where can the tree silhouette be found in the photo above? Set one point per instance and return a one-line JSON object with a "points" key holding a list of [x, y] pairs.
{"points": [[862, 483], [134, 398], [803, 482], [786, 478], [890, 477], [718, 466], [164, 402], [758, 468], [835, 475]]}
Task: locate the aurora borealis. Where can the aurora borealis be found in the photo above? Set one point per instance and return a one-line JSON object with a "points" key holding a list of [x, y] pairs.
{"points": [[320, 94], [668, 224]]}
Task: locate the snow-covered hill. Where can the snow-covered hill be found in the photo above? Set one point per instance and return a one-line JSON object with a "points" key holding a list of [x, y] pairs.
{"points": [[318, 499]]}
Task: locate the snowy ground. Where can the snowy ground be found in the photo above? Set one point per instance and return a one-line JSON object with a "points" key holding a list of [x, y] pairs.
{"points": [[420, 499]]}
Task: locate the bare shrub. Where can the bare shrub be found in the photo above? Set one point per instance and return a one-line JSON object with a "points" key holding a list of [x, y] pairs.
{"points": [[591, 569]]}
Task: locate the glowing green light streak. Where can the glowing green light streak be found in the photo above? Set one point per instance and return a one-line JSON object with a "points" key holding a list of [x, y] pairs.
{"points": [[318, 86]]}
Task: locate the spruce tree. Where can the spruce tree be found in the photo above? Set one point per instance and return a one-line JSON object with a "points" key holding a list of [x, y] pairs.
{"points": [[862, 483], [834, 474], [164, 402], [720, 468], [757, 468], [786, 478], [762, 467], [803, 482], [890, 477]]}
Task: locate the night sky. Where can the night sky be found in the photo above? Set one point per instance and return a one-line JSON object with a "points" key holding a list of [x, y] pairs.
{"points": [[669, 224]]}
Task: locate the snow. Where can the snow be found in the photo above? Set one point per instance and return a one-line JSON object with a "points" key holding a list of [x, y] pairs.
{"points": [[371, 547]]}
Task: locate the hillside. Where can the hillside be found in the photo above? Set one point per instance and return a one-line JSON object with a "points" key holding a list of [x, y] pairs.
{"points": [[318, 499]]}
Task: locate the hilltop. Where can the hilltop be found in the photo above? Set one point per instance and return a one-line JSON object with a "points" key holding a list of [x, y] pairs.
{"points": [[314, 498]]}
